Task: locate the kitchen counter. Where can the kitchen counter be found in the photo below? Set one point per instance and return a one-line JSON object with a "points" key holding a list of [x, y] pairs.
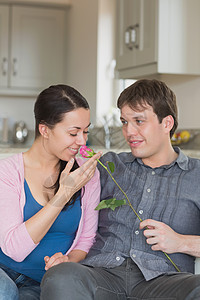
{"points": [[7, 151]]}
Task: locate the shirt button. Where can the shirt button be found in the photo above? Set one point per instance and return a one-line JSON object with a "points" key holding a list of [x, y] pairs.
{"points": [[133, 255], [148, 190], [153, 172], [140, 211], [137, 232], [117, 258]]}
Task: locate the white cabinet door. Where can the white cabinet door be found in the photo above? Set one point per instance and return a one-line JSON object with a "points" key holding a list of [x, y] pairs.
{"points": [[136, 31], [167, 35], [37, 47], [127, 33], [147, 32], [4, 46]]}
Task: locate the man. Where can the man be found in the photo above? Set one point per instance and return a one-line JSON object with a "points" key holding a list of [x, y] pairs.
{"points": [[129, 258]]}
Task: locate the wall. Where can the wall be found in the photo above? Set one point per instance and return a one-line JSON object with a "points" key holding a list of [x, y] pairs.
{"points": [[17, 109], [187, 90], [81, 50], [106, 83]]}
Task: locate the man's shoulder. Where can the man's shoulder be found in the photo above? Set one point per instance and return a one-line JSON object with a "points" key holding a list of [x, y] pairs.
{"points": [[193, 163]]}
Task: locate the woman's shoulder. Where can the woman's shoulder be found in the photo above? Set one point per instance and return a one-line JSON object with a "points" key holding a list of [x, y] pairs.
{"points": [[12, 163]]}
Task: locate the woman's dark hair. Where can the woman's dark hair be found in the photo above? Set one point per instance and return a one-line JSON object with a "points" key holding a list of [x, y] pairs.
{"points": [[154, 93], [50, 107]]}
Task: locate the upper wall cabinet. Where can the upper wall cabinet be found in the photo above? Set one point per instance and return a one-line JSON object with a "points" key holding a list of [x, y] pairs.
{"points": [[157, 37], [31, 47]]}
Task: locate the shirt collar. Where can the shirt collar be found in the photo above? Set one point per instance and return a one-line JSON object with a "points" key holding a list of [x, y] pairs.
{"points": [[181, 160]]}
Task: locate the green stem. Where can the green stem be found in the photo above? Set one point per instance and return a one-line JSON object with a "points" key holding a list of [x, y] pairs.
{"points": [[120, 189], [175, 266], [173, 263]]}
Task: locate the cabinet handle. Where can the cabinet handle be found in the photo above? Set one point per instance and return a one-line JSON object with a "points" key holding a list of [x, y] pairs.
{"points": [[14, 66], [4, 66], [131, 37]]}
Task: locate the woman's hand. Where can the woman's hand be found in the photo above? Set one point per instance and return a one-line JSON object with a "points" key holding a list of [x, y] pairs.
{"points": [[56, 259], [71, 182]]}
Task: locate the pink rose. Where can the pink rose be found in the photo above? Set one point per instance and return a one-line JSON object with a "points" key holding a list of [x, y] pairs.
{"points": [[86, 152]]}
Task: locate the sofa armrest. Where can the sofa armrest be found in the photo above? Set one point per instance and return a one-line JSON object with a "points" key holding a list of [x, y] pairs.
{"points": [[197, 265]]}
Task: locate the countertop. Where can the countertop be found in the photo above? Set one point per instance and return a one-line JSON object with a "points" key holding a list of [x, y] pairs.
{"points": [[7, 151]]}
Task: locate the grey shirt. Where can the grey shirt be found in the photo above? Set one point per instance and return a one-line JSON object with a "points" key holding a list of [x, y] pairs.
{"points": [[170, 194]]}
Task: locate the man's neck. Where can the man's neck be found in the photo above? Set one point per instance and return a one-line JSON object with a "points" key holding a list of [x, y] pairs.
{"points": [[160, 160]]}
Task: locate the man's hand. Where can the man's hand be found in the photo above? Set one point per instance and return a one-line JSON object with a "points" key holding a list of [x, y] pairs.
{"points": [[161, 236]]}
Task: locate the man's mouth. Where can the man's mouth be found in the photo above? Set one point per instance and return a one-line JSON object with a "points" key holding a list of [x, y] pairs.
{"points": [[135, 142]]}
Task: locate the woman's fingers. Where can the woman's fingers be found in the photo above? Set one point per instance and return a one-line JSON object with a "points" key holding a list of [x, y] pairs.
{"points": [[78, 178], [69, 166], [71, 182], [56, 259]]}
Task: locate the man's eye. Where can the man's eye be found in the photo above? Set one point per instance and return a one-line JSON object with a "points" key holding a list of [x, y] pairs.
{"points": [[139, 122], [85, 132], [124, 122]]}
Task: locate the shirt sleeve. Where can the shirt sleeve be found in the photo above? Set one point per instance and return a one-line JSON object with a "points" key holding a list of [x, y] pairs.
{"points": [[89, 223], [15, 241]]}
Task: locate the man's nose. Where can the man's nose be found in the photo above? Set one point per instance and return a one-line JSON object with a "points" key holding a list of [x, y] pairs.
{"points": [[131, 129]]}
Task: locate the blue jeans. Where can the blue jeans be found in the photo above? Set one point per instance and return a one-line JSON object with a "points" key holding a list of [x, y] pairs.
{"points": [[16, 286]]}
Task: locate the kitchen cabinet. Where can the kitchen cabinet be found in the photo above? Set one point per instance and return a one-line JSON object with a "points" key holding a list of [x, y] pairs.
{"points": [[4, 48], [32, 47], [157, 37]]}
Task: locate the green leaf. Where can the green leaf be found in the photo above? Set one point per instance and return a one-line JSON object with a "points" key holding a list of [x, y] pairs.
{"points": [[111, 166], [110, 203]]}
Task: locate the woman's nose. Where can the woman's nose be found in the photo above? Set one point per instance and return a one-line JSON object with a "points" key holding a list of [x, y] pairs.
{"points": [[81, 139]]}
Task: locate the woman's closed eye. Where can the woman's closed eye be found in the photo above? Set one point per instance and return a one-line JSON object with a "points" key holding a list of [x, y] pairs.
{"points": [[75, 134]]}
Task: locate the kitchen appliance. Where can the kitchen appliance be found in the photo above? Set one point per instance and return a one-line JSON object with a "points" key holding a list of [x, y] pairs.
{"points": [[20, 132]]}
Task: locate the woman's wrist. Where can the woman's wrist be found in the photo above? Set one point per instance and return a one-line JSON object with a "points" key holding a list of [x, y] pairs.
{"points": [[59, 199]]}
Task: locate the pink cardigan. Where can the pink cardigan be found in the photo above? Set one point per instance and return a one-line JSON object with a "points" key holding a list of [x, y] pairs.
{"points": [[15, 240]]}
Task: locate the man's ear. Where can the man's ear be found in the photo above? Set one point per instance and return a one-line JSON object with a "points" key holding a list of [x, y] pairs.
{"points": [[44, 130], [168, 123]]}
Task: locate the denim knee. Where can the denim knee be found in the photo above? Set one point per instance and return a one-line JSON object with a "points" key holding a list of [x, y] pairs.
{"points": [[8, 289], [62, 280], [61, 274]]}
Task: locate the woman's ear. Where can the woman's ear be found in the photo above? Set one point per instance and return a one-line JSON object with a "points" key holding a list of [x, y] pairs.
{"points": [[168, 123], [44, 130]]}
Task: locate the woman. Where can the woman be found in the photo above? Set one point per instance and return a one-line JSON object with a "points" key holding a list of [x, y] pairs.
{"points": [[47, 197]]}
